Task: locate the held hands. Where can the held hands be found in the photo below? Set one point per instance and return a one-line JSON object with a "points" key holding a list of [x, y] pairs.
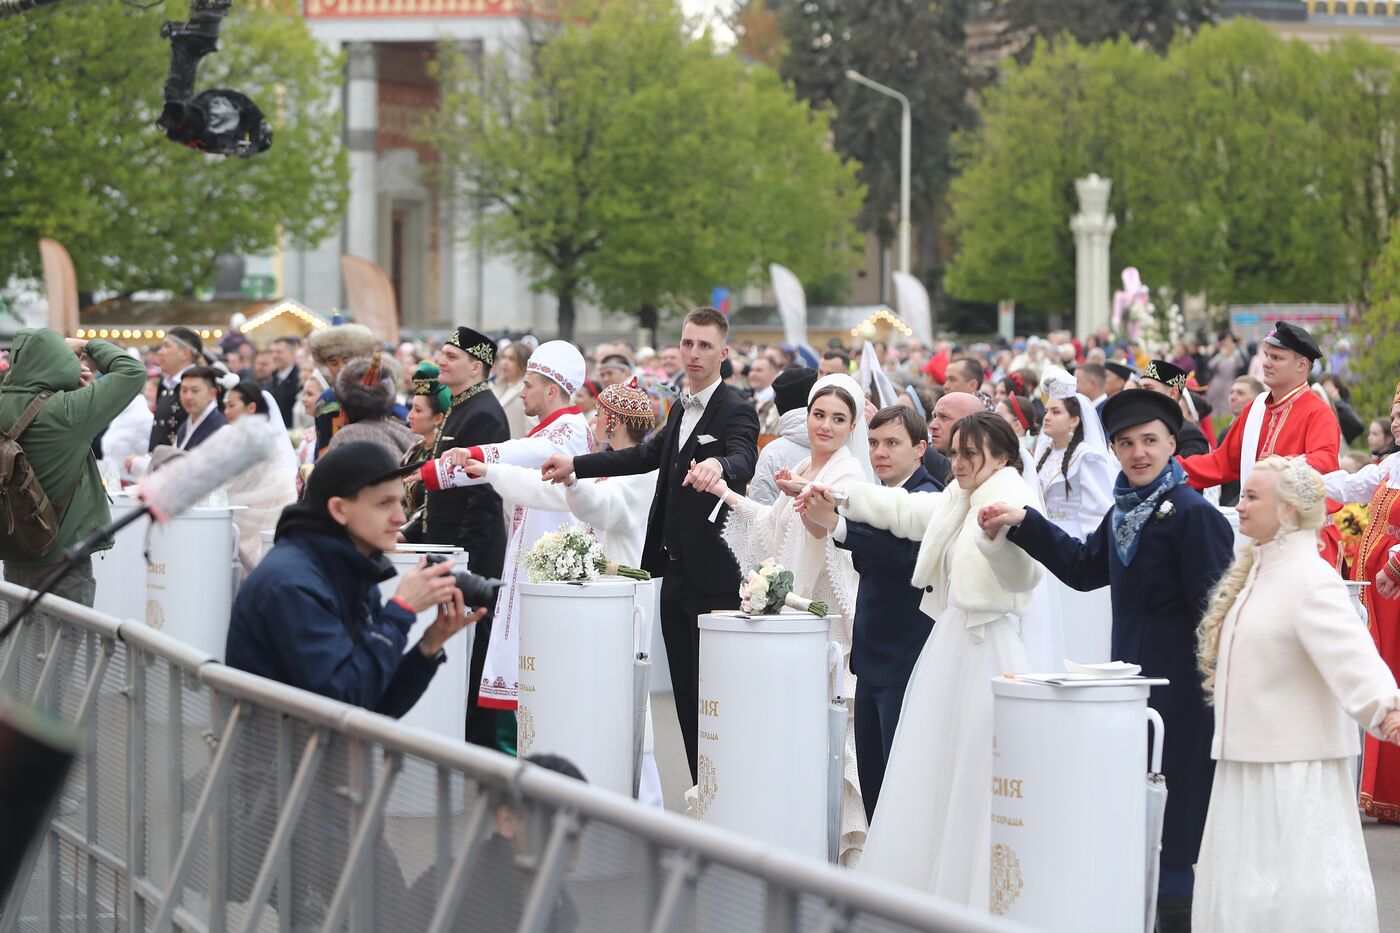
{"points": [[559, 468], [461, 458], [817, 506], [1390, 727], [993, 518], [706, 476], [788, 483]]}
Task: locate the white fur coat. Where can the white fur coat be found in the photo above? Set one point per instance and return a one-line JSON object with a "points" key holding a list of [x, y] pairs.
{"points": [[957, 566]]}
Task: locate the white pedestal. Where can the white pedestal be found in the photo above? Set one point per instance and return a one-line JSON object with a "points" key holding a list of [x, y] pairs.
{"points": [[442, 709], [190, 579], [121, 571], [1069, 806], [577, 651], [763, 728]]}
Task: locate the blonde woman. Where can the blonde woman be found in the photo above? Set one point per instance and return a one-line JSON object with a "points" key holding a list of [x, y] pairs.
{"points": [[1287, 665]]}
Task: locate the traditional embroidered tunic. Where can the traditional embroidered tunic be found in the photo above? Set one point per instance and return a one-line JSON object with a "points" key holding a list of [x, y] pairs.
{"points": [[564, 432], [1299, 424]]}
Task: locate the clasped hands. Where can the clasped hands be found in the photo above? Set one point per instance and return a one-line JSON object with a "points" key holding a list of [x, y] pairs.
{"points": [[461, 458], [707, 476]]}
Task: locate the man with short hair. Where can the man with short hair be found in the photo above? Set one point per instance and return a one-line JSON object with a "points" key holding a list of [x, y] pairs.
{"points": [[1117, 377], [615, 369], [199, 397], [262, 368], [964, 375], [947, 412], [780, 357], [1090, 379], [889, 629], [283, 382], [671, 365], [554, 372], [179, 350], [1160, 550], [761, 376], [834, 362], [1170, 380], [711, 435], [1289, 420]]}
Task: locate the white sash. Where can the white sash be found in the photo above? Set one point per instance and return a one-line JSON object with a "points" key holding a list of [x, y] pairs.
{"points": [[1249, 448]]}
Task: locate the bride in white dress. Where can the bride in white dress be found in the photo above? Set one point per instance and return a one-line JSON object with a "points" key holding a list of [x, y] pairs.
{"points": [[932, 829], [840, 458], [1076, 486]]}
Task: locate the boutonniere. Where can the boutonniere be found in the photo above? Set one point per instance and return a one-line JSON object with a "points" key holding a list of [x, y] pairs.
{"points": [[1166, 510]]}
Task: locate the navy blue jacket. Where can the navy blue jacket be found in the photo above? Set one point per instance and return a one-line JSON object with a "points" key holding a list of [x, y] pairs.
{"points": [[1158, 601], [311, 615], [889, 629]]}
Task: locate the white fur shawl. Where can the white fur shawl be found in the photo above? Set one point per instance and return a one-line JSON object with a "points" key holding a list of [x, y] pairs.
{"points": [[983, 578]]}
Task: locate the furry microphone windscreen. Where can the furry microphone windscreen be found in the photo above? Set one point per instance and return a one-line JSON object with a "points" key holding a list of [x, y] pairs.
{"points": [[228, 452]]}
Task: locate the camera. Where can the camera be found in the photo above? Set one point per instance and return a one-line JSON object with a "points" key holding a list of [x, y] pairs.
{"points": [[476, 589]]}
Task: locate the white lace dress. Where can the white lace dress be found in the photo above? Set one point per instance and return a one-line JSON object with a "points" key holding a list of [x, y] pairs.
{"points": [[1077, 503], [823, 572]]}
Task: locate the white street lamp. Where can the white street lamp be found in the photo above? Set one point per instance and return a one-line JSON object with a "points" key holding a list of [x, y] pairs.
{"points": [[904, 131]]}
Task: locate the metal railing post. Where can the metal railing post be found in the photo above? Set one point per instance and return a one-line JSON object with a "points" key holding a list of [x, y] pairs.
{"points": [[680, 877], [452, 887], [362, 850], [213, 786], [137, 852]]}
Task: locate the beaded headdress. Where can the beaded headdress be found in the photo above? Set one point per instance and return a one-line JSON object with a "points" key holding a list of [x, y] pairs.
{"points": [[474, 343], [629, 403], [425, 383]]}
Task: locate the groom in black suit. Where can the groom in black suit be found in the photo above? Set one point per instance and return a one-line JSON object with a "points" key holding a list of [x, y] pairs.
{"points": [[715, 430]]}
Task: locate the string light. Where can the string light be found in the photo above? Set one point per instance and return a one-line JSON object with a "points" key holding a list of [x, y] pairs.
{"points": [[315, 322], [882, 316]]}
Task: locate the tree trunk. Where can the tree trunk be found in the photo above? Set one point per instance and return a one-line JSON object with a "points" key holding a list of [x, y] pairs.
{"points": [[648, 317], [566, 313]]}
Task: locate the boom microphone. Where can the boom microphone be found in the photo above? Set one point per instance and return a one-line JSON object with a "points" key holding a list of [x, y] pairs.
{"points": [[169, 492]]}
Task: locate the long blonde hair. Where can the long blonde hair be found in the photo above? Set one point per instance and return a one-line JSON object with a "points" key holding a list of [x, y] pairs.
{"points": [[1301, 497]]}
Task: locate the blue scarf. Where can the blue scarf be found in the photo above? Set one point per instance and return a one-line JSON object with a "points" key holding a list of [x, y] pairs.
{"points": [[1134, 505]]}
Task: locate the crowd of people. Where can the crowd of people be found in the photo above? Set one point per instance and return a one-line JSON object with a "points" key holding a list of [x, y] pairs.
{"points": [[965, 510]]}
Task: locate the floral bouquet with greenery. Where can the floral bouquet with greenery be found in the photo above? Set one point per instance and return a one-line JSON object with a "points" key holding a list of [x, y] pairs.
{"points": [[570, 555], [1351, 521], [768, 590]]}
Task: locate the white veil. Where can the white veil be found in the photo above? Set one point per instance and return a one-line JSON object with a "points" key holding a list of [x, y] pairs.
{"points": [[286, 455], [1042, 627], [1056, 383], [858, 443]]}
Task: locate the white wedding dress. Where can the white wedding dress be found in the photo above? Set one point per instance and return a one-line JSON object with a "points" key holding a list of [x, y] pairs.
{"points": [[1077, 504], [932, 828]]}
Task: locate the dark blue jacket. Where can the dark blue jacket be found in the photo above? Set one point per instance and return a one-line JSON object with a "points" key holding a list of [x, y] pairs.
{"points": [[311, 615], [1158, 601], [889, 629]]}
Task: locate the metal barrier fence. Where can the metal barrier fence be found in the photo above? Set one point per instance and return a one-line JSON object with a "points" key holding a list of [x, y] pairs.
{"points": [[212, 800]]}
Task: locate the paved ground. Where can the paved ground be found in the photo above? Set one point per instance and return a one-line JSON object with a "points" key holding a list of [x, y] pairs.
{"points": [[1382, 841]]}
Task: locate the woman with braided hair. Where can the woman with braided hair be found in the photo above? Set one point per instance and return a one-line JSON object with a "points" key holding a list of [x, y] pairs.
{"points": [[1076, 483], [1287, 667]]}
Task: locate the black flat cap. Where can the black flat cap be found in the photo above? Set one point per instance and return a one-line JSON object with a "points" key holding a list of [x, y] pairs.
{"points": [[1133, 407], [1121, 370], [351, 467], [1295, 338]]}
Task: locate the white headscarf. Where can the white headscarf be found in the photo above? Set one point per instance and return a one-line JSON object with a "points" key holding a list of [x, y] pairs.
{"points": [[858, 443], [1056, 383]]}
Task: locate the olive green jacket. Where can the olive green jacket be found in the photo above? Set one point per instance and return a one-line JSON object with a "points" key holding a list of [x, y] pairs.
{"points": [[58, 441]]}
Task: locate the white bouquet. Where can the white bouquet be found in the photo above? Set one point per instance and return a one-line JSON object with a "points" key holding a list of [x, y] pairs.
{"points": [[769, 588], [572, 554]]}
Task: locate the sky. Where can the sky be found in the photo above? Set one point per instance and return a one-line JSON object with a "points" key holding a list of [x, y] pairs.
{"points": [[710, 9]]}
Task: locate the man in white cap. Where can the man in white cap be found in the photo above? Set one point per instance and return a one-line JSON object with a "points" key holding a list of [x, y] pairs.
{"points": [[552, 376]]}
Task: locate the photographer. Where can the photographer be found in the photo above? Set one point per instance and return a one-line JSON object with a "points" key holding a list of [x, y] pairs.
{"points": [[310, 614]]}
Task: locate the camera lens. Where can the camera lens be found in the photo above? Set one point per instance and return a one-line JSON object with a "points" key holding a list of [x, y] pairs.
{"points": [[476, 590]]}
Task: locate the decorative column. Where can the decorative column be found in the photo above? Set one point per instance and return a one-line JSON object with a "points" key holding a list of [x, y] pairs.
{"points": [[1093, 230], [361, 138]]}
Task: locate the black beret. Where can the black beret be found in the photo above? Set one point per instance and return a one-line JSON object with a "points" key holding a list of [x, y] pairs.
{"points": [[1295, 338], [1133, 407]]}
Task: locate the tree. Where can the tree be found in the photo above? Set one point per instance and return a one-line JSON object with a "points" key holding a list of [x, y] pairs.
{"points": [[913, 46], [758, 31], [624, 162], [1378, 359], [1237, 171], [1154, 23], [82, 161]]}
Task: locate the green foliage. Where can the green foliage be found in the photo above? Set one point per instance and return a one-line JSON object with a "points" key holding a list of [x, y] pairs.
{"points": [[1154, 23], [1378, 361], [917, 48], [82, 161], [1245, 167], [625, 162]]}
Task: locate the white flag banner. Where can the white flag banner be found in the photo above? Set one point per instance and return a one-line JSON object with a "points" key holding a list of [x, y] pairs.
{"points": [[871, 378], [914, 306], [792, 304]]}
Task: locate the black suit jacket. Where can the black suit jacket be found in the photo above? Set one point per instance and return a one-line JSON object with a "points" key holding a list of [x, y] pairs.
{"points": [[169, 416], [679, 523], [285, 391], [206, 427]]}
